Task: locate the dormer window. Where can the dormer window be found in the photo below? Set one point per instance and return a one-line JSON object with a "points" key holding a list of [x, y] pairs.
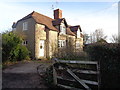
{"points": [[25, 26], [62, 28]]}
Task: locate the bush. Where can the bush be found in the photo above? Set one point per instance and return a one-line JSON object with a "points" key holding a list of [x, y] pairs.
{"points": [[48, 77], [70, 52], [108, 55], [66, 55], [12, 49], [19, 53]]}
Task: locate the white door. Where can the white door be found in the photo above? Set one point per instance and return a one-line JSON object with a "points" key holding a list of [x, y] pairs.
{"points": [[41, 51]]}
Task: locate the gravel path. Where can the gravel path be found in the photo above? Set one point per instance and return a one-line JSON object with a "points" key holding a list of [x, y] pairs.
{"points": [[24, 75]]}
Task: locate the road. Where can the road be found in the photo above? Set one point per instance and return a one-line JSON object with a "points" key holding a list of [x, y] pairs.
{"points": [[24, 75]]}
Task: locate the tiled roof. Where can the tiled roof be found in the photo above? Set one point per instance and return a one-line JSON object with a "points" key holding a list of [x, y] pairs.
{"points": [[69, 32], [58, 21], [75, 28], [50, 23], [41, 19]]}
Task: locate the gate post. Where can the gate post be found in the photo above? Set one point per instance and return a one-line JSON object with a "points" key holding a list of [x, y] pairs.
{"points": [[54, 76], [54, 72], [99, 77]]}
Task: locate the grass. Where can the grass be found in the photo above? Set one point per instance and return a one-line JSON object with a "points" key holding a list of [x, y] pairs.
{"points": [[9, 63]]}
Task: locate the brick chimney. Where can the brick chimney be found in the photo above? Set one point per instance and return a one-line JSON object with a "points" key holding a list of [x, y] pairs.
{"points": [[57, 14]]}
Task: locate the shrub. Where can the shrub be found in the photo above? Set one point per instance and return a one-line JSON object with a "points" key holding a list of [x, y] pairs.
{"points": [[70, 52], [48, 77], [11, 47], [19, 53], [67, 55], [108, 56]]}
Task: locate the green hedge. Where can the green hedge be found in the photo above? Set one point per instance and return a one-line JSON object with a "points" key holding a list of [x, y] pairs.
{"points": [[109, 57]]}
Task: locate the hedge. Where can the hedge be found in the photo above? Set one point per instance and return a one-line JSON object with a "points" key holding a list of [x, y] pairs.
{"points": [[109, 57]]}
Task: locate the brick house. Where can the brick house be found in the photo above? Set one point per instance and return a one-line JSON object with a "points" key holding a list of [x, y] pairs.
{"points": [[44, 35]]}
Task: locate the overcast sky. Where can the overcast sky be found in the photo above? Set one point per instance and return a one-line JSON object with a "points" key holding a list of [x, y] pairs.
{"points": [[89, 15]]}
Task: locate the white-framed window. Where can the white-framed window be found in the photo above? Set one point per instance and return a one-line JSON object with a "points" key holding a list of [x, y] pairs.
{"points": [[25, 26], [61, 43], [62, 28], [25, 42]]}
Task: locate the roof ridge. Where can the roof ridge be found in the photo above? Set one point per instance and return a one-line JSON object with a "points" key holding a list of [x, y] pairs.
{"points": [[74, 26], [42, 15]]}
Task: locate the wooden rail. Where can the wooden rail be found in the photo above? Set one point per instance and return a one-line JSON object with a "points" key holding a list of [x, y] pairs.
{"points": [[75, 61], [75, 74]]}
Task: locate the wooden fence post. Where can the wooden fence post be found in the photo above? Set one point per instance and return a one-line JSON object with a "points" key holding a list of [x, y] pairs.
{"points": [[54, 76], [54, 72], [99, 77]]}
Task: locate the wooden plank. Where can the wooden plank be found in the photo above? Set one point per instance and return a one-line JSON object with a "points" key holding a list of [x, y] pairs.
{"points": [[54, 76], [78, 79], [85, 71], [90, 82], [72, 80], [75, 61], [85, 81], [68, 87]]}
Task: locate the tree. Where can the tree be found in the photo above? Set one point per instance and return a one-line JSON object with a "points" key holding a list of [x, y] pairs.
{"points": [[85, 38], [97, 35], [114, 38], [101, 41], [12, 48]]}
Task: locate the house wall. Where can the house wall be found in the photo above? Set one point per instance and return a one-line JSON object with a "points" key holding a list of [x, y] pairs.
{"points": [[40, 34], [79, 40], [62, 28], [62, 37], [37, 32], [29, 34], [52, 43], [71, 41]]}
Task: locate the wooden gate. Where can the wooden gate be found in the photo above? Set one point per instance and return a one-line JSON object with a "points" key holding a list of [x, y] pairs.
{"points": [[76, 74]]}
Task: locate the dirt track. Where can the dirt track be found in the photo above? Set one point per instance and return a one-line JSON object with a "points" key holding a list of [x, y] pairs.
{"points": [[24, 75]]}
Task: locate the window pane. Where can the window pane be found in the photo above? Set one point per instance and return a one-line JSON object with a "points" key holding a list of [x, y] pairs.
{"points": [[61, 43], [25, 26]]}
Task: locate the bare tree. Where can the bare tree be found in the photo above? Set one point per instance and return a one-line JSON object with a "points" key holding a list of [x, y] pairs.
{"points": [[85, 38], [114, 38], [97, 35], [119, 38]]}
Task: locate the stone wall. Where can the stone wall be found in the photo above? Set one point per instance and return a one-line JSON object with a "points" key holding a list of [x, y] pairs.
{"points": [[40, 34], [53, 43], [29, 34]]}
